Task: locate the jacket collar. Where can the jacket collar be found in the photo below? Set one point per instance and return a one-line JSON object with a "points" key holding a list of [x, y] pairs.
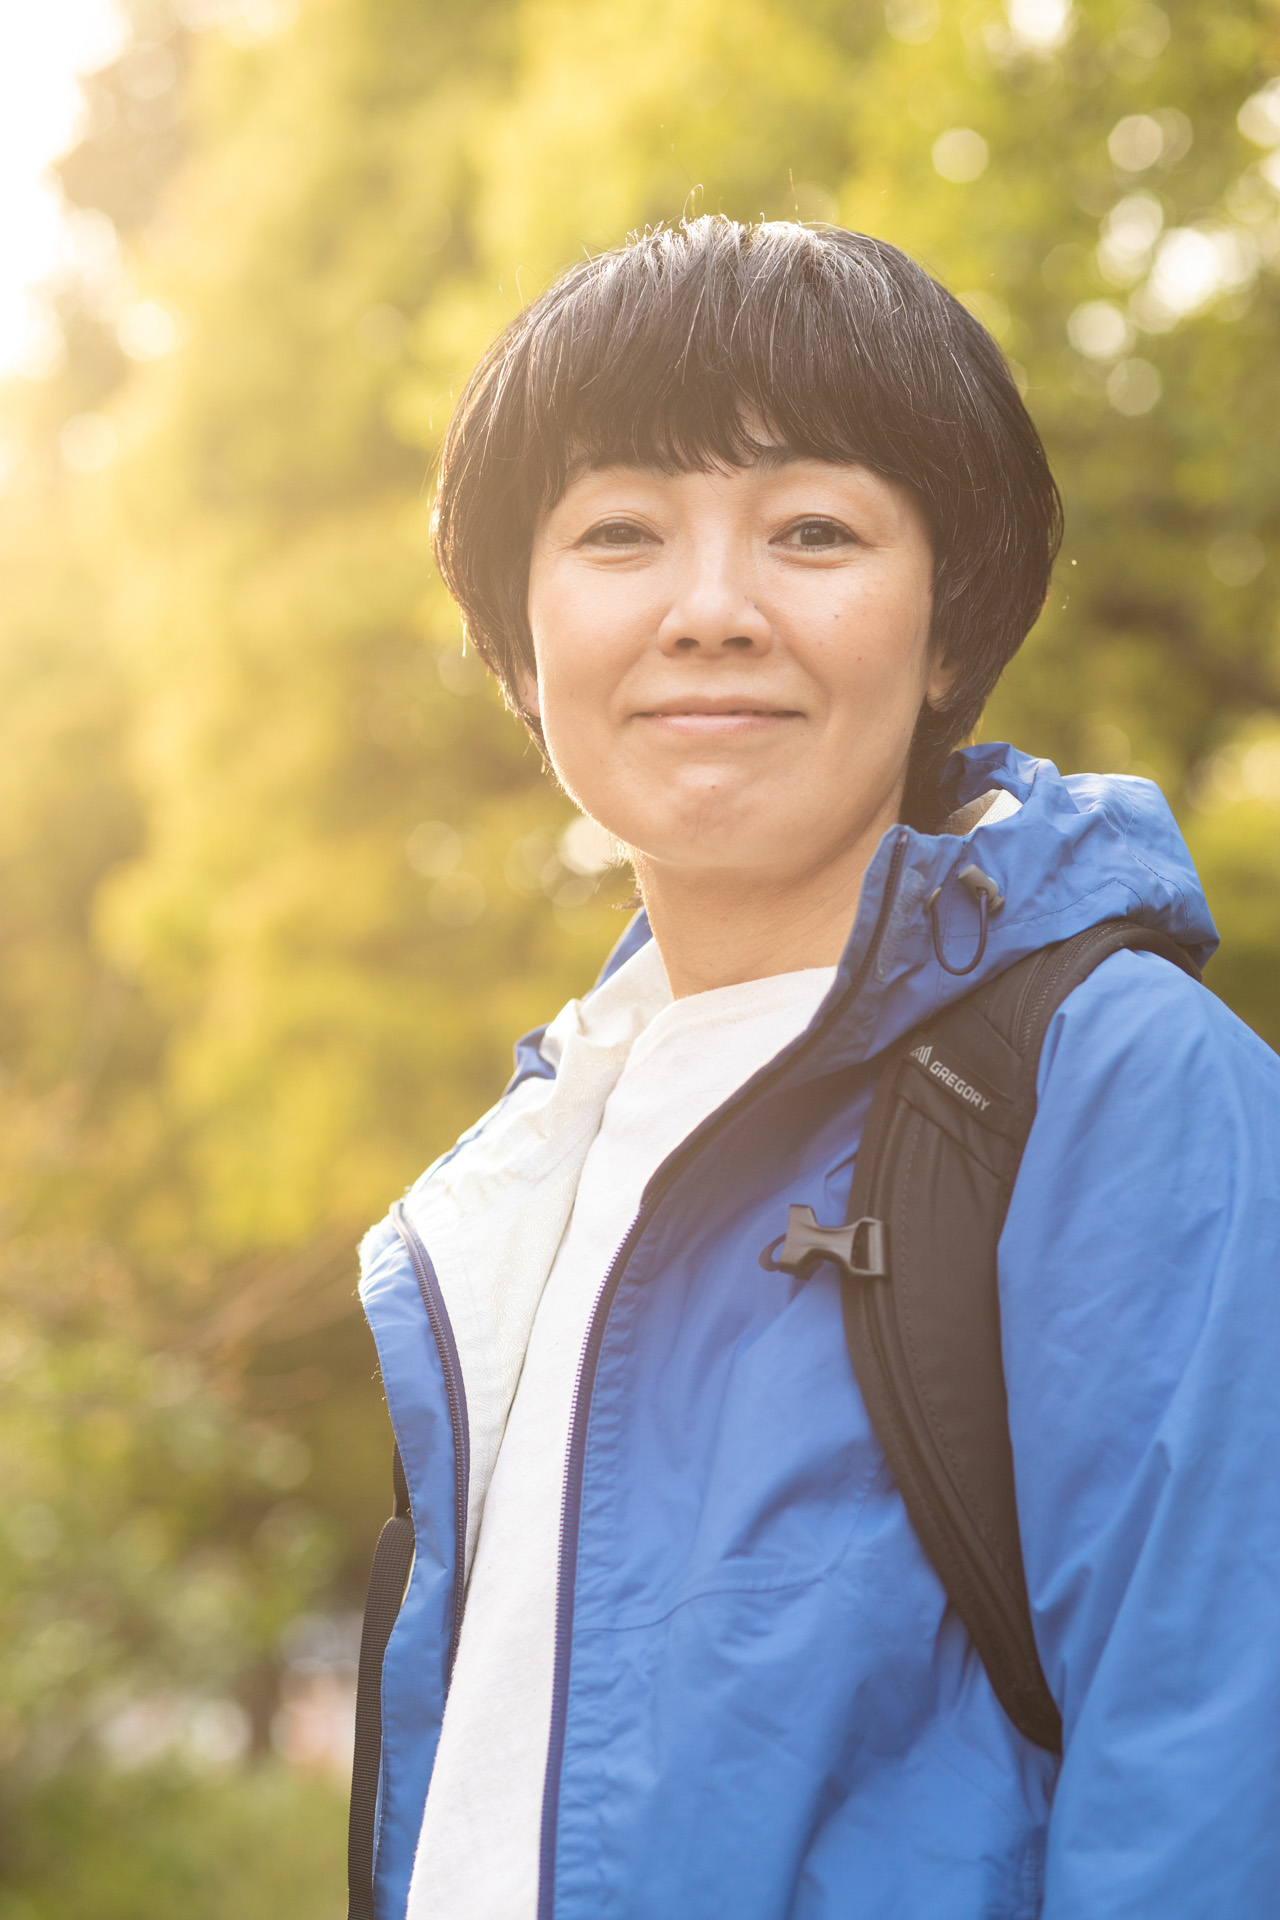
{"points": [[1076, 850]]}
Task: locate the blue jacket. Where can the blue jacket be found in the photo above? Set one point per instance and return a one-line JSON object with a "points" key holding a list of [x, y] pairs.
{"points": [[764, 1707]]}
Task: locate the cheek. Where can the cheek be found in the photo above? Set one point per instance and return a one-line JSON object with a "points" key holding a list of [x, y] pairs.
{"points": [[876, 656], [582, 655], [573, 665], [555, 624], [588, 630]]}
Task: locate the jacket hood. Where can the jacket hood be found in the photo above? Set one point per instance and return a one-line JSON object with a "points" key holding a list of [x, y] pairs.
{"points": [[1065, 853]]}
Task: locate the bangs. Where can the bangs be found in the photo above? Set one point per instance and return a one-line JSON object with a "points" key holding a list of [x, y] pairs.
{"points": [[682, 359]]}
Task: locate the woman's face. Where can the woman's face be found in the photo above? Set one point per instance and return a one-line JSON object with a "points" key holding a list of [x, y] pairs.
{"points": [[729, 665]]}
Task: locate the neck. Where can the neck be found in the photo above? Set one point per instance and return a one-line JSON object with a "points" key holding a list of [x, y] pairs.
{"points": [[717, 927]]}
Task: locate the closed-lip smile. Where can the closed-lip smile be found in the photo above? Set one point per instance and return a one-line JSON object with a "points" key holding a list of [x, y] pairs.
{"points": [[716, 713]]}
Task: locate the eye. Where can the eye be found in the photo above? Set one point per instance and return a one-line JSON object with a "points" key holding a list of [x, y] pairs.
{"points": [[814, 534], [616, 534]]}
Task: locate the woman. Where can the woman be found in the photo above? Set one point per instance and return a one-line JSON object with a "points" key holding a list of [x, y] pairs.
{"points": [[748, 521]]}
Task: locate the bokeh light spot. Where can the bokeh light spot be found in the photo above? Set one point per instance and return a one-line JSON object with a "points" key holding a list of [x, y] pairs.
{"points": [[960, 155]]}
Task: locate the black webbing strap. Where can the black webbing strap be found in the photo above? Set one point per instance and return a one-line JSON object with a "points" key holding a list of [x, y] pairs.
{"points": [[936, 1167], [388, 1579]]}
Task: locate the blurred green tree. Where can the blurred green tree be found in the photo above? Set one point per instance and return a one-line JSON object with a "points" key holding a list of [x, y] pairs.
{"points": [[372, 194], [331, 915]]}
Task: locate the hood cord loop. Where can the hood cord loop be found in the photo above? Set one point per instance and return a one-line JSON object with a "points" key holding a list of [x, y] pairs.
{"points": [[989, 899]]}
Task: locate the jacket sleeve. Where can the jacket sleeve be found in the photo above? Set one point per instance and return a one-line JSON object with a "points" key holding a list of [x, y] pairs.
{"points": [[1139, 1271]]}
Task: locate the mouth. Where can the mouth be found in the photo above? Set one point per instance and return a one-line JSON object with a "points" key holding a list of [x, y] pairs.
{"points": [[717, 717]]}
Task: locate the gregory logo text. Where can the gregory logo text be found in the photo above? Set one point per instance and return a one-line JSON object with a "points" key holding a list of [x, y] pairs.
{"points": [[952, 1081]]}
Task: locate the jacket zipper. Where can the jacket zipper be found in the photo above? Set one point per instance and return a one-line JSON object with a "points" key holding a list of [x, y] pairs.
{"points": [[455, 1395], [575, 1462]]}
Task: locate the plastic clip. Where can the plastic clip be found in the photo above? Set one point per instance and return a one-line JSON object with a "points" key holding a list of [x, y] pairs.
{"points": [[805, 1243]]}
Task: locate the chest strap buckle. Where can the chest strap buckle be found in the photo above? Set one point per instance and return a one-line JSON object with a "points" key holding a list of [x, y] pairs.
{"points": [[857, 1249]]}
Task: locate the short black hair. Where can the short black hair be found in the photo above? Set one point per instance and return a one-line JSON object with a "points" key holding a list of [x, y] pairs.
{"points": [[678, 350]]}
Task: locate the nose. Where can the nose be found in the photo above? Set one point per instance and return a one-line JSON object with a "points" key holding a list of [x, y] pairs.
{"points": [[712, 612]]}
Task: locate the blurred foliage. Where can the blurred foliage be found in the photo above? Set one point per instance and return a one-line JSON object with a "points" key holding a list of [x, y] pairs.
{"points": [[89, 1846], [279, 879], [149, 1536]]}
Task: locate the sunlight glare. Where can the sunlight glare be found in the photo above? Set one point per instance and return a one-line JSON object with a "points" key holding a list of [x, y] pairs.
{"points": [[42, 49]]}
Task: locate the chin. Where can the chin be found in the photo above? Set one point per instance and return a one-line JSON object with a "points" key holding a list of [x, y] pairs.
{"points": [[715, 853]]}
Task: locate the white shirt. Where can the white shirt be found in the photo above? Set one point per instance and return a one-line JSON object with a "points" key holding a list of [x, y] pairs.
{"points": [[479, 1849]]}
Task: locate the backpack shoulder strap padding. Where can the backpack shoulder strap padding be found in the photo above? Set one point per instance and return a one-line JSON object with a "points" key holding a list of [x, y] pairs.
{"points": [[938, 1159]]}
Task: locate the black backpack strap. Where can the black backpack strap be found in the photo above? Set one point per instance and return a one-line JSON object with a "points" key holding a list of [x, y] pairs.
{"points": [[392, 1561], [935, 1172]]}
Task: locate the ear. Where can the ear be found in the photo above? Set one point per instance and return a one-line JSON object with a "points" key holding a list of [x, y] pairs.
{"points": [[942, 677], [526, 687]]}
